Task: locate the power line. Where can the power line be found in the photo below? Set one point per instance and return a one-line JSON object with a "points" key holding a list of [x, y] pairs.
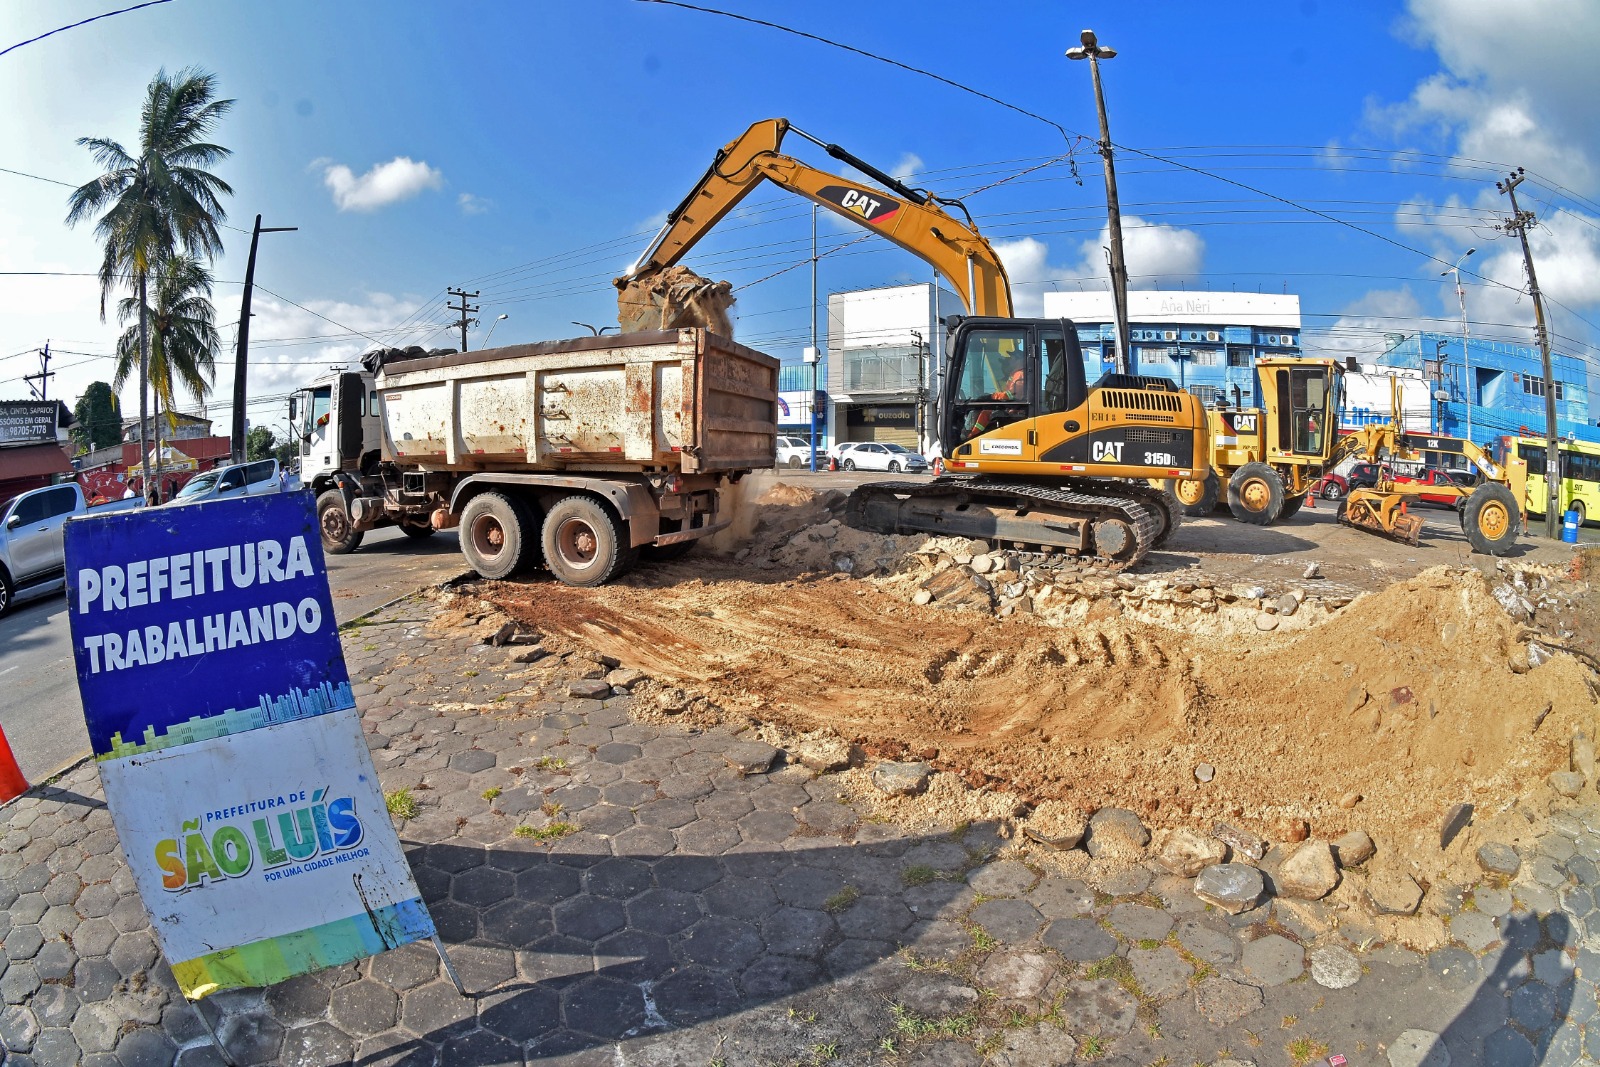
{"points": [[83, 22]]}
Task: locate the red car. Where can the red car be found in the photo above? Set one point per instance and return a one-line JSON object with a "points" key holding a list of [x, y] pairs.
{"points": [[1455, 479], [1330, 486]]}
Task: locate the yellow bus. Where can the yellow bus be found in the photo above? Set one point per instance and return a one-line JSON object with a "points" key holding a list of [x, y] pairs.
{"points": [[1580, 474]]}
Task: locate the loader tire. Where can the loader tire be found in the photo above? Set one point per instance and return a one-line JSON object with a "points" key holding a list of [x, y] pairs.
{"points": [[1291, 505], [1255, 494], [584, 543], [496, 535], [1196, 496], [339, 535], [1490, 519]]}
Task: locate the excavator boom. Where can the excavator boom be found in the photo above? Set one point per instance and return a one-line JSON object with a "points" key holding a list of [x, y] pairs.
{"points": [[911, 219]]}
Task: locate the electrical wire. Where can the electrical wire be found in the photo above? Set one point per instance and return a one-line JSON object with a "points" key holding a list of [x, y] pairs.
{"points": [[82, 22]]}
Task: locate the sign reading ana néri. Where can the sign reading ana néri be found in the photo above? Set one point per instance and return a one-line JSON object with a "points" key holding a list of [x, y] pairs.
{"points": [[229, 745]]}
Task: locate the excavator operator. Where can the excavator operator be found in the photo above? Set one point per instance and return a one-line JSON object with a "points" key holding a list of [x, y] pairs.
{"points": [[1012, 392]]}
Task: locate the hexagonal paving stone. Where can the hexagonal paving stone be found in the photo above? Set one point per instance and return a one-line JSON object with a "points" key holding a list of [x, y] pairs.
{"points": [[298, 1000], [874, 917], [363, 1008], [1082, 940], [663, 911], [741, 898], [548, 883], [1206, 942], [767, 827], [619, 879], [808, 887], [1273, 960], [1012, 921], [602, 1006], [472, 761], [1533, 1006], [23, 942], [1137, 922], [1008, 878], [521, 1015], [406, 967], [1059, 897], [55, 961], [617, 752], [633, 956], [690, 874], [797, 931], [695, 995], [1160, 972], [435, 1009], [483, 967], [721, 943], [589, 918], [482, 887]]}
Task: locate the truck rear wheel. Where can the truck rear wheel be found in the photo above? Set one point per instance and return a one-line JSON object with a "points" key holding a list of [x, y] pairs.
{"points": [[1195, 496], [1490, 519], [1255, 494], [496, 535], [584, 544], [339, 534]]}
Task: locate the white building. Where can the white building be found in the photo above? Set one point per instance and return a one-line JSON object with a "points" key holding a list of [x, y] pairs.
{"points": [[885, 358]]}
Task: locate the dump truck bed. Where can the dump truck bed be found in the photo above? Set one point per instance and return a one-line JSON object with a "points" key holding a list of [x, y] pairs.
{"points": [[685, 400]]}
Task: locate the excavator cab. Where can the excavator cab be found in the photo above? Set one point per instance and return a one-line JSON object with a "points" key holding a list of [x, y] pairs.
{"points": [[1008, 371]]}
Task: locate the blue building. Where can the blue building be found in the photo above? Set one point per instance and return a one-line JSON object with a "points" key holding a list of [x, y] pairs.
{"points": [[795, 400], [1207, 342], [1504, 388]]}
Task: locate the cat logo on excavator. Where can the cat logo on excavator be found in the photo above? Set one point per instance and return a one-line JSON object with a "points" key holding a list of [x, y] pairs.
{"points": [[875, 209]]}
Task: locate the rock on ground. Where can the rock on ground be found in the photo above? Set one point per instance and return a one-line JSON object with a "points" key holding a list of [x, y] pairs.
{"points": [[823, 754], [901, 779], [1187, 853], [1333, 967], [1057, 824], [1117, 833], [1393, 893], [1353, 849], [1309, 874], [1497, 858], [1233, 887], [1243, 842]]}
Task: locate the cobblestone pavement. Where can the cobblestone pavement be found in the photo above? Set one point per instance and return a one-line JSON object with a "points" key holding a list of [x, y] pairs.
{"points": [[629, 897]]}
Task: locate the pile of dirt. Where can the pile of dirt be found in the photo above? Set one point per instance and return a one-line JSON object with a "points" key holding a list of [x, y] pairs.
{"points": [[673, 298], [1379, 716]]}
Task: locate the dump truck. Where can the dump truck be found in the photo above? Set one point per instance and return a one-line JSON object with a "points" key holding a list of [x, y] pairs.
{"points": [[577, 456]]}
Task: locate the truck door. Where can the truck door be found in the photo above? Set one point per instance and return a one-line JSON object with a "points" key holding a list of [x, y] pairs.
{"points": [[36, 533], [349, 402]]}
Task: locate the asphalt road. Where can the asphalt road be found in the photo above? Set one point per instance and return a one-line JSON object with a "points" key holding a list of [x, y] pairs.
{"points": [[39, 707]]}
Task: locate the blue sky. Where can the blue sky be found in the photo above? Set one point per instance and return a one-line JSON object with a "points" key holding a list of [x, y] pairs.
{"points": [[527, 149]]}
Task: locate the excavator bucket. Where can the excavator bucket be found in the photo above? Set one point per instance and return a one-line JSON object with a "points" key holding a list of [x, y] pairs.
{"points": [[673, 298]]}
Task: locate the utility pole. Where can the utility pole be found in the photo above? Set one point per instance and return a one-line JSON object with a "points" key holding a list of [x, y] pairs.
{"points": [[463, 322], [1094, 52], [1466, 355], [1518, 224], [922, 402], [43, 377], [242, 352], [811, 353]]}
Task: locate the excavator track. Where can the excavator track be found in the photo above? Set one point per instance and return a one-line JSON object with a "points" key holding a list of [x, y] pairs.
{"points": [[1111, 524]]}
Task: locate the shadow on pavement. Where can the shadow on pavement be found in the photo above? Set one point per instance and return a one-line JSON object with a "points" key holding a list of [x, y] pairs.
{"points": [[1523, 1008], [610, 947]]}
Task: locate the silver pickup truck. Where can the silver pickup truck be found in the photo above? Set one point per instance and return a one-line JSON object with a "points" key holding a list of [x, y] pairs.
{"points": [[32, 559]]}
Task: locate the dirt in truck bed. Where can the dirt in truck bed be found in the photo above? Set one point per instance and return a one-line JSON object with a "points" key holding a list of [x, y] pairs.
{"points": [[1375, 712]]}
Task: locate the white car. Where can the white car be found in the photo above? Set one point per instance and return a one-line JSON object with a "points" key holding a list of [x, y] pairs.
{"points": [[242, 479], [794, 452], [879, 456]]}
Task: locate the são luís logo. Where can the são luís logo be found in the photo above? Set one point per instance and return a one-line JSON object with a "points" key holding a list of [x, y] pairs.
{"points": [[310, 835]]}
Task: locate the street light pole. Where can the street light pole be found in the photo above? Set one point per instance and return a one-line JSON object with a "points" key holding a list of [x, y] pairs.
{"points": [[1094, 52], [241, 354], [1466, 356], [492, 325]]}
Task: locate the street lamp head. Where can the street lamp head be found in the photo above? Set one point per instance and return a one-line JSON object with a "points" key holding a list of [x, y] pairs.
{"points": [[502, 317], [1088, 39], [1105, 53], [1077, 53]]}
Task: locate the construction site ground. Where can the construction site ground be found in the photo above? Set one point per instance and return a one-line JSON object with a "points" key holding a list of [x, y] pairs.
{"points": [[1220, 681]]}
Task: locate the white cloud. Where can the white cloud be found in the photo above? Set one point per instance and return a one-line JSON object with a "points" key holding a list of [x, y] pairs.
{"points": [[1157, 257], [386, 183], [1516, 88], [907, 167], [1361, 327], [471, 204]]}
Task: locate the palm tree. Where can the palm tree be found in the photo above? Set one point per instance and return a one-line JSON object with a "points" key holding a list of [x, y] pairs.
{"points": [[182, 335], [157, 201]]}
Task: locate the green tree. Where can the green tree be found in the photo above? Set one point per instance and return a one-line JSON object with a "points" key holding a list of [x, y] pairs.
{"points": [[286, 454], [260, 443], [182, 336], [99, 423], [157, 200]]}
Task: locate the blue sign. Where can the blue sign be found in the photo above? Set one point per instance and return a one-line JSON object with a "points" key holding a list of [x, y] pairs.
{"points": [[200, 621]]}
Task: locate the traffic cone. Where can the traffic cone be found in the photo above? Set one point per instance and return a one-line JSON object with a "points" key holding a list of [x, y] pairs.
{"points": [[938, 466], [833, 463], [12, 783]]}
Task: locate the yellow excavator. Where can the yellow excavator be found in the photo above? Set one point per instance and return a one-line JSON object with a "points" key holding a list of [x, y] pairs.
{"points": [[1035, 455]]}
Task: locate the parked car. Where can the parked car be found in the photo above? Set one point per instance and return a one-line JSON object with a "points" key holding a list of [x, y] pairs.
{"points": [[1365, 475], [1455, 479], [793, 452], [32, 556], [240, 479], [1330, 486], [880, 456]]}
